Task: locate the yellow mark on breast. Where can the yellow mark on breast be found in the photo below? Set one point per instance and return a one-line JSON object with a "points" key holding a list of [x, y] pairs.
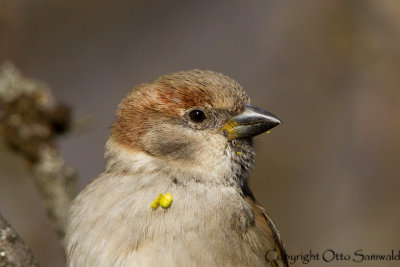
{"points": [[156, 201], [166, 200], [163, 200]]}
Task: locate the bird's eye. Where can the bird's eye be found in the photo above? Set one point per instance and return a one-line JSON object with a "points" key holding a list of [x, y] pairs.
{"points": [[197, 115]]}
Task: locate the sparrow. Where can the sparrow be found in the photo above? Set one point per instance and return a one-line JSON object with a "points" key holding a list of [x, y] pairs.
{"points": [[175, 188]]}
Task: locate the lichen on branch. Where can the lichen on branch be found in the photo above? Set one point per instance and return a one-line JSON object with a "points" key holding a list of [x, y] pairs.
{"points": [[13, 251], [30, 122]]}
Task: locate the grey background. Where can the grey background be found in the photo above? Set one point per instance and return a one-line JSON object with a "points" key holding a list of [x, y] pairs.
{"points": [[329, 176]]}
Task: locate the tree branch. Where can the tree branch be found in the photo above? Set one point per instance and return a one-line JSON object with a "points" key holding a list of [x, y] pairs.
{"points": [[30, 121], [13, 251]]}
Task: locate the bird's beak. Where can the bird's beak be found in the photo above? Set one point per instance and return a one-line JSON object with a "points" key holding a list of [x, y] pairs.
{"points": [[251, 122]]}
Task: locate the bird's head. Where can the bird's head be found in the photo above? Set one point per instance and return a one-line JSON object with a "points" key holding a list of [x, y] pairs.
{"points": [[194, 122]]}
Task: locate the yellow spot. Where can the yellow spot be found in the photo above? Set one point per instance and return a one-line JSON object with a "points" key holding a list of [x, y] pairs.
{"points": [[156, 201], [229, 129], [239, 153], [268, 132], [166, 200]]}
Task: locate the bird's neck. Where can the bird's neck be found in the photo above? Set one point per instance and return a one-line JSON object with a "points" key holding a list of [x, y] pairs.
{"points": [[204, 205], [126, 161]]}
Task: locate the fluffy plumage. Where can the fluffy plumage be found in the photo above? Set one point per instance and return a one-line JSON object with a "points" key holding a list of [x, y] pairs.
{"points": [[156, 147]]}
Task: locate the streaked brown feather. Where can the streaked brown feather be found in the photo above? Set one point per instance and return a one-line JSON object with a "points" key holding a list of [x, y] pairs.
{"points": [[279, 247]]}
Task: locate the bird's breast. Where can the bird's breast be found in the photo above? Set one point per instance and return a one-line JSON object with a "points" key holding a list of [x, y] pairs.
{"points": [[205, 224]]}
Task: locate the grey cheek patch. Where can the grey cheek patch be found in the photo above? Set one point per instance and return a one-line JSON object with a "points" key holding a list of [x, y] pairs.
{"points": [[170, 143]]}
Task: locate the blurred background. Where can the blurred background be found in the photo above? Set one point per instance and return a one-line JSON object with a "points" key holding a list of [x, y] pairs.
{"points": [[329, 175]]}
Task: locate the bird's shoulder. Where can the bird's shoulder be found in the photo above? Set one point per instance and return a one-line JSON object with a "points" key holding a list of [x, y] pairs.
{"points": [[276, 253]]}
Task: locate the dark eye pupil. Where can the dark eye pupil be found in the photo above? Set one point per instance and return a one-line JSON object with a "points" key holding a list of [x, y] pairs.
{"points": [[197, 115]]}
